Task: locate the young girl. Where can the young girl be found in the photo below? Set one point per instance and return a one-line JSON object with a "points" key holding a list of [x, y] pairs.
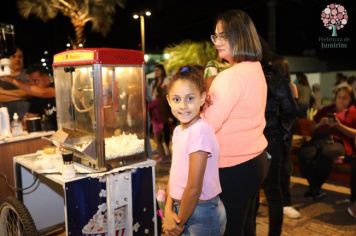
{"points": [[193, 206]]}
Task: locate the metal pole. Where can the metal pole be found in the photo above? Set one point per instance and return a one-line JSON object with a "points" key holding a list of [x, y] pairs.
{"points": [[142, 23]]}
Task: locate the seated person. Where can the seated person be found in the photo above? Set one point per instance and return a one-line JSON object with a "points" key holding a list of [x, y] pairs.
{"points": [[333, 137], [41, 88]]}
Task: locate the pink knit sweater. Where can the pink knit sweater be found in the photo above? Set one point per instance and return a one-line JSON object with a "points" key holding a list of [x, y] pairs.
{"points": [[237, 112]]}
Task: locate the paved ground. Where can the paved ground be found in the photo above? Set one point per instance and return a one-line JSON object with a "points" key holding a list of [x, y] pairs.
{"points": [[327, 217]]}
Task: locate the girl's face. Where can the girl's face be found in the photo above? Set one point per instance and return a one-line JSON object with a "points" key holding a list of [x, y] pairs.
{"points": [[343, 100], [222, 44], [185, 101]]}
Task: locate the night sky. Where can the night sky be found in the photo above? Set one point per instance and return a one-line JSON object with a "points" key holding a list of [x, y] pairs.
{"points": [[298, 27]]}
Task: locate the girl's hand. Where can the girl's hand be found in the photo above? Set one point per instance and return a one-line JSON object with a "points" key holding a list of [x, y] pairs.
{"points": [[171, 223], [337, 122]]}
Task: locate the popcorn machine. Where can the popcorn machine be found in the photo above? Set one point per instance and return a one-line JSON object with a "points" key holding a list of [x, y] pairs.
{"points": [[100, 99]]}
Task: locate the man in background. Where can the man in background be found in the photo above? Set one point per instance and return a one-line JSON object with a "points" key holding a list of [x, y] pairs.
{"points": [[41, 90], [10, 96]]}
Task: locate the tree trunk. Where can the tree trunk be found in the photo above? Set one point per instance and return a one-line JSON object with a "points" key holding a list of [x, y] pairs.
{"points": [[79, 35], [79, 32], [334, 31]]}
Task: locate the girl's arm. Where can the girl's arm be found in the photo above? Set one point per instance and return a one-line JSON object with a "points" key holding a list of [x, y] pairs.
{"points": [[191, 194], [171, 220]]}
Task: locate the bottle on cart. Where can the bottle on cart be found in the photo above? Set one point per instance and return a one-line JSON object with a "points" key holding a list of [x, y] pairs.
{"points": [[16, 126], [5, 129]]}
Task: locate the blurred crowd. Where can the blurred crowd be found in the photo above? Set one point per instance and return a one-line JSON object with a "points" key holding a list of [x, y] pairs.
{"points": [[29, 92], [329, 140]]}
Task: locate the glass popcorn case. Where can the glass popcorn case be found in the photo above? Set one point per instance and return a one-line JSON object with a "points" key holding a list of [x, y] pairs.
{"points": [[100, 99]]}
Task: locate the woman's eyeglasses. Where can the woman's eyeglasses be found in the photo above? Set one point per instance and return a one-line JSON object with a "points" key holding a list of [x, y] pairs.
{"points": [[215, 38]]}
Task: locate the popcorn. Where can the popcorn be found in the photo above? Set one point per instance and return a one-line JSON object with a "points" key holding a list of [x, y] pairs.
{"points": [[123, 145]]}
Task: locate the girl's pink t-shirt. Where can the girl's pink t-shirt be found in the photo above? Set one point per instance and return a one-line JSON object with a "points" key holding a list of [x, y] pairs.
{"points": [[198, 137]]}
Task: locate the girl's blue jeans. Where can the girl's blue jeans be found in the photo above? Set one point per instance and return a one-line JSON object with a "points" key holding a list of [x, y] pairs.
{"points": [[208, 218]]}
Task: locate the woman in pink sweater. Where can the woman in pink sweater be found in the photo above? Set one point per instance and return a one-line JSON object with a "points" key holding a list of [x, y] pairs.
{"points": [[238, 100]]}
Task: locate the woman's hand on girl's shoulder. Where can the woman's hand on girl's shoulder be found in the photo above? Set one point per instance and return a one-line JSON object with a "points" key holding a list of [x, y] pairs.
{"points": [[208, 102]]}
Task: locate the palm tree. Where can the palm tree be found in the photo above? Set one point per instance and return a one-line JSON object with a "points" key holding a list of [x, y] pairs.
{"points": [[188, 52], [80, 12]]}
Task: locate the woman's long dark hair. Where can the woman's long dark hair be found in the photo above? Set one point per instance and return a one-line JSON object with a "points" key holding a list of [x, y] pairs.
{"points": [[163, 70]]}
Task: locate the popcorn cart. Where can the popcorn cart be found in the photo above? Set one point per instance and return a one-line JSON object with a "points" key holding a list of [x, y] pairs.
{"points": [[100, 100], [120, 202], [101, 115]]}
